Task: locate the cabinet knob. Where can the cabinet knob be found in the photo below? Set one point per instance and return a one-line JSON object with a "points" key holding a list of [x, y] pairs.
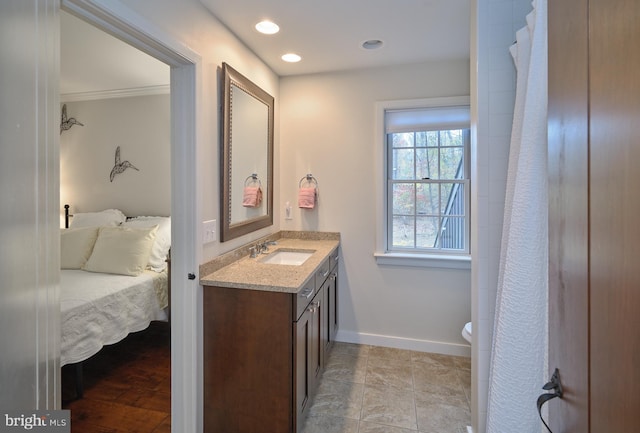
{"points": [[313, 307]]}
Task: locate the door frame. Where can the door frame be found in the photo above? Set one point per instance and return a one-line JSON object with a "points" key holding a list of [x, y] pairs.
{"points": [[186, 348]]}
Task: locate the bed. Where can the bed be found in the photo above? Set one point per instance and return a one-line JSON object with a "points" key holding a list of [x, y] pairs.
{"points": [[115, 280], [99, 309]]}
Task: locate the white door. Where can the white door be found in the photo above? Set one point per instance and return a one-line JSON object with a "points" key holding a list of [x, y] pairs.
{"points": [[29, 217]]}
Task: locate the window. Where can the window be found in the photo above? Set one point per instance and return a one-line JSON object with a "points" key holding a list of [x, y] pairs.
{"points": [[427, 183], [427, 186]]}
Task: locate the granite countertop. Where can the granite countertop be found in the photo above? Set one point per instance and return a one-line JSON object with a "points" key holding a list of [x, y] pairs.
{"points": [[251, 273]]}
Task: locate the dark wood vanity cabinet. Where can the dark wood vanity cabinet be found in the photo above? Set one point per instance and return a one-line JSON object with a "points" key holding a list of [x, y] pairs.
{"points": [[264, 353]]}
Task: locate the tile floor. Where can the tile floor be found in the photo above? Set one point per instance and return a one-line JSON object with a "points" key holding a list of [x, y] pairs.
{"points": [[369, 389]]}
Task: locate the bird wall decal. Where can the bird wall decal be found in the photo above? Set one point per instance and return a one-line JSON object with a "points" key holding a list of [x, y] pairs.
{"points": [[120, 167], [67, 123]]}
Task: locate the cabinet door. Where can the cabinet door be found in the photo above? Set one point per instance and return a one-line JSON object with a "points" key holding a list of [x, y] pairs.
{"points": [[247, 361], [316, 345], [302, 330], [332, 306], [326, 319], [308, 361]]}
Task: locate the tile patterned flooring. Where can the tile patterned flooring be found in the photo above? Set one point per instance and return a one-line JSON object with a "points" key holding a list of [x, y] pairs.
{"points": [[370, 389]]}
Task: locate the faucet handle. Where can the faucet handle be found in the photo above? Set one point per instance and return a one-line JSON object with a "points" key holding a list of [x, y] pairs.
{"points": [[264, 247], [261, 248]]}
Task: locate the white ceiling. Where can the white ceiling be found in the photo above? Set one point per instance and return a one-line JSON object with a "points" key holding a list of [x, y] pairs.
{"points": [[328, 34], [94, 61]]}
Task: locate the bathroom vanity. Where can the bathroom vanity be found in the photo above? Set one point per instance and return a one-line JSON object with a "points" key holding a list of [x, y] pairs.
{"points": [[269, 322]]}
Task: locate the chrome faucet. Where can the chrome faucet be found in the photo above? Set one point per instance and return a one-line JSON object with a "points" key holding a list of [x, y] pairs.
{"points": [[262, 248]]}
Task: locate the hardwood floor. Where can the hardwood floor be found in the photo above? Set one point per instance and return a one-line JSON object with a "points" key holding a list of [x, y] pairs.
{"points": [[127, 386]]}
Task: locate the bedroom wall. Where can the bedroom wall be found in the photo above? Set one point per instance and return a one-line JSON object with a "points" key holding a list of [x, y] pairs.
{"points": [[328, 130], [140, 126]]}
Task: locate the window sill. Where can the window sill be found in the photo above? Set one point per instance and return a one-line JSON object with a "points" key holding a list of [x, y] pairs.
{"points": [[424, 260]]}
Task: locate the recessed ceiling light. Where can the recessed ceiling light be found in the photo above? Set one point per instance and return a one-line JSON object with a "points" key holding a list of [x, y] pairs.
{"points": [[267, 27], [372, 44], [291, 58]]}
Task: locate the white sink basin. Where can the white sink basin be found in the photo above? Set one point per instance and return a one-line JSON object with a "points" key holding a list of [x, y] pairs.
{"points": [[287, 257]]}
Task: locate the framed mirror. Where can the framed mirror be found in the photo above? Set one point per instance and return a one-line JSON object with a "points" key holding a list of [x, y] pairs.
{"points": [[247, 156]]}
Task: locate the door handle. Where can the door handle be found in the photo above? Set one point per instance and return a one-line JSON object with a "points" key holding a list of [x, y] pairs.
{"points": [[555, 386]]}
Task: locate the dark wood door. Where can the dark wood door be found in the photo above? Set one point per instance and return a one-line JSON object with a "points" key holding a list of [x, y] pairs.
{"points": [[594, 162], [568, 127], [614, 215]]}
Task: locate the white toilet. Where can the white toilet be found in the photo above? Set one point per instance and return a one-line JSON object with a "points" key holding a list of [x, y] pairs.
{"points": [[467, 332], [467, 335]]}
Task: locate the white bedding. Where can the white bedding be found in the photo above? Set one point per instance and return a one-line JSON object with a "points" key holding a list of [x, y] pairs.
{"points": [[99, 309]]}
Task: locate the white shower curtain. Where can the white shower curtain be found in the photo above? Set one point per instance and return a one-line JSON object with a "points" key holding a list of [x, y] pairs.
{"points": [[519, 349]]}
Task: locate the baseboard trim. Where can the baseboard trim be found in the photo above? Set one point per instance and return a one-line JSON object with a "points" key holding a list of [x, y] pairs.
{"points": [[404, 343]]}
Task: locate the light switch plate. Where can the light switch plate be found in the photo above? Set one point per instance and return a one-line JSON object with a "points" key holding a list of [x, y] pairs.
{"points": [[208, 231]]}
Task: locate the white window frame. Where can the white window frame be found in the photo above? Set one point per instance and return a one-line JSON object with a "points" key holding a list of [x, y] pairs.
{"points": [[382, 254]]}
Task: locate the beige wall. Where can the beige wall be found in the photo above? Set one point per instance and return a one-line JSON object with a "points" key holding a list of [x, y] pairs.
{"points": [[327, 129], [326, 123]]}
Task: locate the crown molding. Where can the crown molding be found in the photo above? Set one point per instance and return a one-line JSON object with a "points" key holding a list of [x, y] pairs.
{"points": [[163, 89]]}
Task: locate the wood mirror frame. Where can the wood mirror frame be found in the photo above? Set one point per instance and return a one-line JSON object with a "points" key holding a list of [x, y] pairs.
{"points": [[247, 150]]}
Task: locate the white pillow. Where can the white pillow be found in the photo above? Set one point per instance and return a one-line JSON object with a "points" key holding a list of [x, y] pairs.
{"points": [[108, 217], [121, 250], [162, 244], [76, 246]]}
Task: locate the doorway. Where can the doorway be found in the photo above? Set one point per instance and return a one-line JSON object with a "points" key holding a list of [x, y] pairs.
{"points": [[116, 97], [135, 30]]}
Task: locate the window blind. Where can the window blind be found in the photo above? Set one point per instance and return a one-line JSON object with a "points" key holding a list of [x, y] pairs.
{"points": [[427, 119]]}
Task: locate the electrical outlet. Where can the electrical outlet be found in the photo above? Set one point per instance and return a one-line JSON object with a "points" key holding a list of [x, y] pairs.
{"points": [[208, 231]]}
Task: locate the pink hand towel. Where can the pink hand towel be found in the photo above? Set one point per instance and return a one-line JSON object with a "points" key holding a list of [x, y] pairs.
{"points": [[252, 196], [307, 198]]}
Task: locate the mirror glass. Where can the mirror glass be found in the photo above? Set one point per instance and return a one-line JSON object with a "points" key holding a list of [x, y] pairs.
{"points": [[247, 156]]}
